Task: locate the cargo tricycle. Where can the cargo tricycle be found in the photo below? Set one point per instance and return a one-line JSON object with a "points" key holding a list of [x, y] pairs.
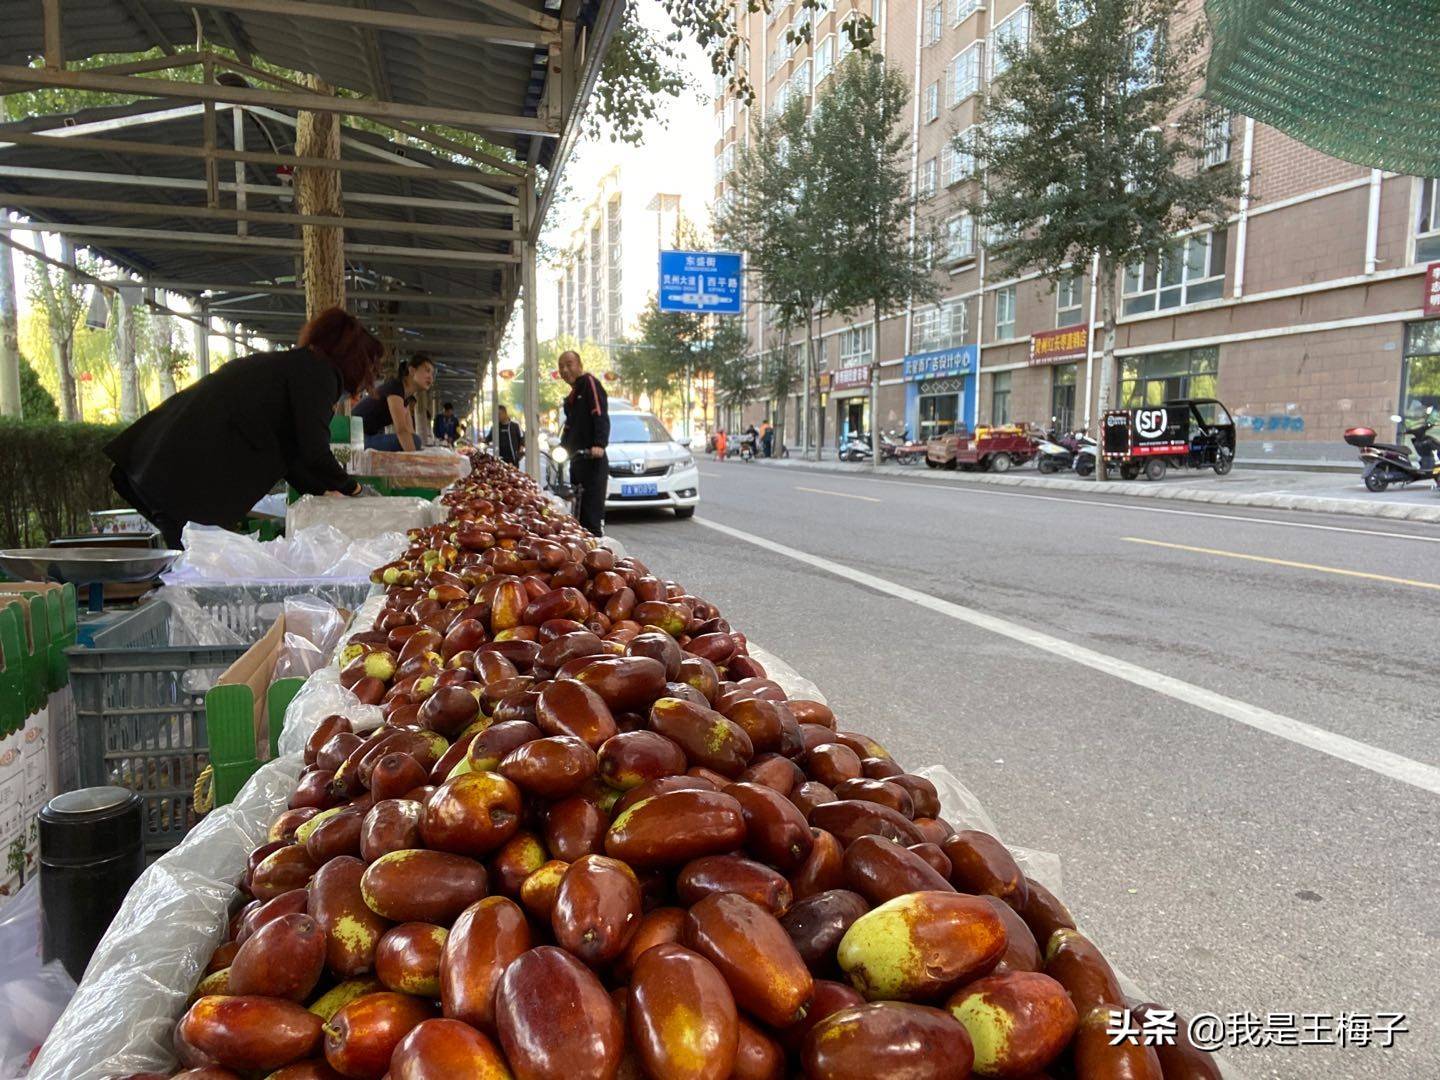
{"points": [[994, 448], [1188, 433]]}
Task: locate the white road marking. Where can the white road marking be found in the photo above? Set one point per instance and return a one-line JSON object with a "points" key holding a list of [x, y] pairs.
{"points": [[1082, 499], [837, 494], [712, 475], [1284, 562], [1394, 766]]}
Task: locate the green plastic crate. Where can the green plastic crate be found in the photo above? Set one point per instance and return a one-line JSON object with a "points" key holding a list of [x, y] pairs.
{"points": [[230, 713]]}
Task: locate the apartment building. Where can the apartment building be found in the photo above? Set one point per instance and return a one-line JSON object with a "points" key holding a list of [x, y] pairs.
{"points": [[608, 266], [1312, 309]]}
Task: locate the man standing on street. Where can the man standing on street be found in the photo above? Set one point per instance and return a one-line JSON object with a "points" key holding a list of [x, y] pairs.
{"points": [[447, 425], [505, 438], [586, 434]]}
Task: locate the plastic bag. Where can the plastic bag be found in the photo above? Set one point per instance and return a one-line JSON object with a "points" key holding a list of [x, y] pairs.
{"points": [[360, 518], [322, 553], [432, 467], [791, 681], [122, 1017], [192, 624], [317, 621], [32, 994]]}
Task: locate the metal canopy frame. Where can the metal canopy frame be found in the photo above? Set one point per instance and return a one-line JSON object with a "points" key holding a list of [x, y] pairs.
{"points": [[188, 187]]}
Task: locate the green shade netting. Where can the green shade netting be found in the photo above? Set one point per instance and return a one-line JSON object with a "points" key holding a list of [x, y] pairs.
{"points": [[1357, 79]]}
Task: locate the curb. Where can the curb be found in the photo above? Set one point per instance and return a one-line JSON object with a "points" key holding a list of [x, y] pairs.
{"points": [[1390, 511]]}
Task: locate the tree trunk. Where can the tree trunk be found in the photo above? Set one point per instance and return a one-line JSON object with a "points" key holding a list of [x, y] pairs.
{"points": [[9, 334], [875, 390], [809, 368], [122, 325], [317, 191], [61, 319], [1106, 276]]}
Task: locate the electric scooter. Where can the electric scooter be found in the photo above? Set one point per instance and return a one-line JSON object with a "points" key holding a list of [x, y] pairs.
{"points": [[1393, 463]]}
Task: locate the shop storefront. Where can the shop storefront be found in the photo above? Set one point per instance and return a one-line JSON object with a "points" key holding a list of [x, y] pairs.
{"points": [[1420, 377], [939, 394], [1060, 351], [852, 400]]}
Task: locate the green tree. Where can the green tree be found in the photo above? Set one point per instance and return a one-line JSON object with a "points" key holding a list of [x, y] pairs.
{"points": [[863, 144], [1094, 146], [62, 296], [36, 403], [779, 211]]}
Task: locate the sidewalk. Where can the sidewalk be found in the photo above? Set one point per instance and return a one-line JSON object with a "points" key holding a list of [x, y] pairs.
{"points": [[1276, 489]]}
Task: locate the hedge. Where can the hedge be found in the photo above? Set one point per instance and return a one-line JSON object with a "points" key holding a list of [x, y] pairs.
{"points": [[52, 475]]}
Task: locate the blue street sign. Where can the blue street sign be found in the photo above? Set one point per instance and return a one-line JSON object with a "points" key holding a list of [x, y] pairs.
{"points": [[700, 281]]}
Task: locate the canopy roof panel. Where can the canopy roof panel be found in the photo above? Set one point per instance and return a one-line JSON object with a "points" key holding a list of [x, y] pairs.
{"points": [[432, 53], [1357, 79]]}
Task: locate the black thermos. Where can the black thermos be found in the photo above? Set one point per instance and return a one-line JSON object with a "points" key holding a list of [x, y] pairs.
{"points": [[91, 852]]}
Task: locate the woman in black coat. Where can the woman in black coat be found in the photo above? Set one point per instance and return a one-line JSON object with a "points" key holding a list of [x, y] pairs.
{"points": [[212, 451]]}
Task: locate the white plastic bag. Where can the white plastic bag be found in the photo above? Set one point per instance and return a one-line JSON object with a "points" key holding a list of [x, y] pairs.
{"points": [[322, 553], [359, 519], [32, 994], [791, 681]]}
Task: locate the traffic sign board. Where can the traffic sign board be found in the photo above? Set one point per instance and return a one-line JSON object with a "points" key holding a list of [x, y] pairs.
{"points": [[700, 281]]}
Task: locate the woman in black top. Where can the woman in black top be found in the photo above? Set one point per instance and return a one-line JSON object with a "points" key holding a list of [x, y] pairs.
{"points": [[389, 406], [209, 453]]}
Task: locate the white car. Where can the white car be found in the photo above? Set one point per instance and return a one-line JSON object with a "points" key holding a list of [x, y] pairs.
{"points": [[648, 468]]}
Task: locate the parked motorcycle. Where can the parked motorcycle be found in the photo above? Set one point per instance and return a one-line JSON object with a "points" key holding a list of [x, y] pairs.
{"points": [[1057, 450], [1085, 455], [856, 447], [896, 446], [1393, 463]]}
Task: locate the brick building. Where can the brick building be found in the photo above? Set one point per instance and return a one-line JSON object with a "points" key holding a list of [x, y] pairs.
{"points": [[1305, 313]]}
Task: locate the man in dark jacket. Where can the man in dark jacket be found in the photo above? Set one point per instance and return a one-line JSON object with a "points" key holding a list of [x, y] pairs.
{"points": [[209, 453], [585, 437], [505, 438]]}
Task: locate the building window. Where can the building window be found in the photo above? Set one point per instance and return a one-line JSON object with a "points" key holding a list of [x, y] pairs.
{"points": [[960, 238], [925, 334], [824, 57], [1217, 137], [932, 102], [855, 346], [1062, 396], [934, 23], [1186, 272], [597, 282], [954, 324], [1420, 385], [960, 10], [800, 81], [616, 326], [1145, 59], [964, 79], [1005, 313], [1000, 398], [1427, 228], [929, 177], [1014, 30], [1160, 377], [962, 157], [1069, 293]]}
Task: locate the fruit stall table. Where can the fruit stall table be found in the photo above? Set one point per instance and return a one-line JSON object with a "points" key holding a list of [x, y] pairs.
{"points": [[539, 781]]}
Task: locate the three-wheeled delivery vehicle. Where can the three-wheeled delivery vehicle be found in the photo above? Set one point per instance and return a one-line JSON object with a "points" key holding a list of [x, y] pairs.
{"points": [[1189, 433]]}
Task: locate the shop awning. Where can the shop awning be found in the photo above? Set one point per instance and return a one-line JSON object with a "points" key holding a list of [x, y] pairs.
{"points": [[1357, 79]]}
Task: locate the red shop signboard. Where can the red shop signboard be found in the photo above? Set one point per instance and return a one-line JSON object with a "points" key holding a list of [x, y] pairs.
{"points": [[1059, 346]]}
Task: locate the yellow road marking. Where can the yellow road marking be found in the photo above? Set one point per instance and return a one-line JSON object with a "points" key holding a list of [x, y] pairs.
{"points": [[837, 494], [1286, 562]]}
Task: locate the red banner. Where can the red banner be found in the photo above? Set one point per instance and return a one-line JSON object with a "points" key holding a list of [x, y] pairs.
{"points": [[848, 377], [1059, 346], [1432, 289]]}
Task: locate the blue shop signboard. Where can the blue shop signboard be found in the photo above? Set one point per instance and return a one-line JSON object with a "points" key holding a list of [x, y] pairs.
{"points": [[700, 281], [940, 365]]}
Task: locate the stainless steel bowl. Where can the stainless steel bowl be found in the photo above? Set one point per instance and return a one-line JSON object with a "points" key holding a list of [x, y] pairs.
{"points": [[85, 565]]}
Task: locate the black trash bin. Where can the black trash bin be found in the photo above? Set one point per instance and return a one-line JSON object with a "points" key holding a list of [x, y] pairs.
{"points": [[91, 852]]}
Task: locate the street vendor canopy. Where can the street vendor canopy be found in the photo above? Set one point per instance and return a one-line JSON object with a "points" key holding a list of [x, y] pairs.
{"points": [[1357, 79]]}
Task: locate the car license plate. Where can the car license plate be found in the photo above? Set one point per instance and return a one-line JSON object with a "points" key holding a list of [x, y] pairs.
{"points": [[630, 491]]}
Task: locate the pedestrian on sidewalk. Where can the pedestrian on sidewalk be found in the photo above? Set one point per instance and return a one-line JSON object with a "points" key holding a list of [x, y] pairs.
{"points": [[767, 439], [720, 443], [586, 435]]}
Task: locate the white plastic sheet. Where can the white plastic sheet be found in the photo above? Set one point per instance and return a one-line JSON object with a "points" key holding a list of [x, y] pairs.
{"points": [[361, 518], [322, 553], [32, 994]]}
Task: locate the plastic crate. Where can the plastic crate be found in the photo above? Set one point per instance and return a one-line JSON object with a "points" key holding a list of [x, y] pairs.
{"points": [[140, 715]]}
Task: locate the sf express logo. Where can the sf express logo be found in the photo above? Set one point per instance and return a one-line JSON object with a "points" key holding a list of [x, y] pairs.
{"points": [[1150, 423]]}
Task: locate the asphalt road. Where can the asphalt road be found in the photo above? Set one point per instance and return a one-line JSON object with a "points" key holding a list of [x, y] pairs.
{"points": [[1245, 805]]}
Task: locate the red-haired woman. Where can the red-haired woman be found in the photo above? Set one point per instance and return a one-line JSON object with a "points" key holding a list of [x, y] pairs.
{"points": [[209, 453]]}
